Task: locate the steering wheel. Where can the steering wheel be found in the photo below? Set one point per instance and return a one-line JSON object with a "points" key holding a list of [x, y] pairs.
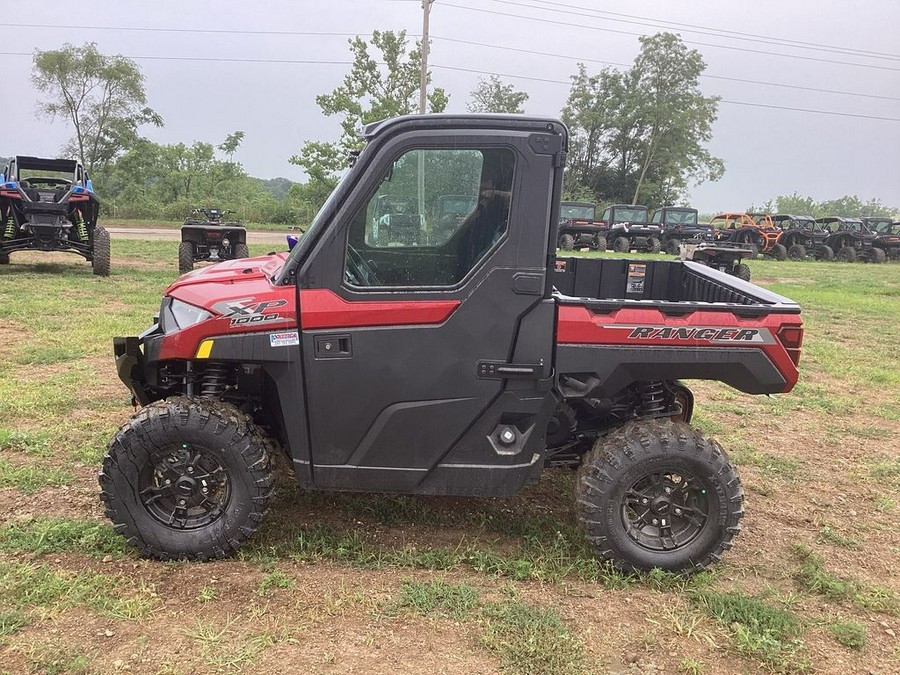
{"points": [[358, 271]]}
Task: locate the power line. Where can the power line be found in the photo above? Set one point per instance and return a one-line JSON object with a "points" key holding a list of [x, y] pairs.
{"points": [[625, 65], [721, 100], [465, 70], [706, 30], [212, 31], [693, 42]]}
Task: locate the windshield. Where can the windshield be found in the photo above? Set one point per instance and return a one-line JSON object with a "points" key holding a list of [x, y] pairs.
{"points": [[637, 214], [577, 211], [880, 225], [681, 217]]}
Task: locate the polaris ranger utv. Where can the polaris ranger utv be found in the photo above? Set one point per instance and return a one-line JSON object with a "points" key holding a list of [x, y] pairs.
{"points": [[629, 229], [680, 225], [204, 237], [464, 368], [50, 205], [578, 227]]}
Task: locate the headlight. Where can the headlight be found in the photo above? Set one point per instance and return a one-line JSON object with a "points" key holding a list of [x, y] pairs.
{"points": [[176, 315]]}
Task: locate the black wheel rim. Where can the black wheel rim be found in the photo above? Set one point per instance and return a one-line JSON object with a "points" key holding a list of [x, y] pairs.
{"points": [[185, 489], [665, 510]]}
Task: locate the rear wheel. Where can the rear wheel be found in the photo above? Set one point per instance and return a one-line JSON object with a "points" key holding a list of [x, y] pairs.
{"points": [[779, 252], [659, 494], [4, 258], [655, 245], [754, 250], [825, 253], [672, 246], [600, 242], [796, 252], [567, 242], [846, 254], [742, 271], [877, 255], [241, 251], [185, 257], [187, 479], [101, 252], [621, 245]]}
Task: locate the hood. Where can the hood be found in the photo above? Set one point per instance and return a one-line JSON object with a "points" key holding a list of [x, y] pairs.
{"points": [[243, 278]]}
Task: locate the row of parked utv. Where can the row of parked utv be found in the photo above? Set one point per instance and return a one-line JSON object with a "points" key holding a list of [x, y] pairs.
{"points": [[627, 228]]}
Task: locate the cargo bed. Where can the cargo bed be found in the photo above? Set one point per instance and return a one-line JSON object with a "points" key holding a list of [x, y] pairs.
{"points": [[674, 287]]}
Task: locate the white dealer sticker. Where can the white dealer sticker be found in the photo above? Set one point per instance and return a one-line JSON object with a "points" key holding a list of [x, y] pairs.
{"points": [[284, 339]]}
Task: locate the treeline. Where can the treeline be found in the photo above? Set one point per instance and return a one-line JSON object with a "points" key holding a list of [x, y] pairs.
{"points": [[848, 206], [165, 182]]}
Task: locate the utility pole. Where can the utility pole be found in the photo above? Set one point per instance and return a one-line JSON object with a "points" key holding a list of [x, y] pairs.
{"points": [[423, 86], [423, 73]]}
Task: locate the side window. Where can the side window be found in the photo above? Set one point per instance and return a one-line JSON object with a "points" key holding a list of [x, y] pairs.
{"points": [[433, 218], [657, 217], [606, 215]]}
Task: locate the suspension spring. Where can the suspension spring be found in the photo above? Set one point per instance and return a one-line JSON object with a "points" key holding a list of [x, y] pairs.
{"points": [[653, 400], [10, 230], [215, 380], [80, 227]]}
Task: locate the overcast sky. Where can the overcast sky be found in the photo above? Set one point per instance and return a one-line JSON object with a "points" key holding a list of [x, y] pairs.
{"points": [[766, 151]]}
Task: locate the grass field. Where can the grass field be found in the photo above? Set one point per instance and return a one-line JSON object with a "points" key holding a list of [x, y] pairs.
{"points": [[363, 583]]}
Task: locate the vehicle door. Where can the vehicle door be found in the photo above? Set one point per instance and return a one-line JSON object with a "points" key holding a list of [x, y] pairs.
{"points": [[428, 361]]}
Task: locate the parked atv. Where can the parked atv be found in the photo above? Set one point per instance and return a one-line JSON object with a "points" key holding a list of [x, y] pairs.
{"points": [[629, 229], [205, 237], [724, 256], [50, 205], [851, 240], [449, 213], [679, 225], [756, 229], [802, 237], [578, 227], [888, 239]]}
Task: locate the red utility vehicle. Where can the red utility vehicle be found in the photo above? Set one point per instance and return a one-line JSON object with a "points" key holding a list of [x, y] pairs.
{"points": [[464, 366]]}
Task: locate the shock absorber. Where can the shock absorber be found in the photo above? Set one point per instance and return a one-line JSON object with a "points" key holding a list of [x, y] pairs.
{"points": [[80, 226], [653, 400], [215, 379], [10, 231]]}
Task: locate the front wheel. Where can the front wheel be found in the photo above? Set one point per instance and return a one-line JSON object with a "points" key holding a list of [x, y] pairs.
{"points": [[4, 258], [567, 242], [100, 256], [185, 257], [241, 251], [659, 494], [187, 479], [779, 252], [622, 245], [742, 271], [654, 245], [825, 253], [673, 246], [796, 252], [877, 255], [600, 242], [846, 254]]}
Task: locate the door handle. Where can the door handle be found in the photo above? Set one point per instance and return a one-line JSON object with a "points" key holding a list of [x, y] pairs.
{"points": [[333, 347]]}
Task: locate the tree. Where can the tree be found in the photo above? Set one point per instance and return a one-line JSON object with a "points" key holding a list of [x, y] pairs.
{"points": [[102, 96], [492, 96], [640, 134], [369, 93], [231, 143]]}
